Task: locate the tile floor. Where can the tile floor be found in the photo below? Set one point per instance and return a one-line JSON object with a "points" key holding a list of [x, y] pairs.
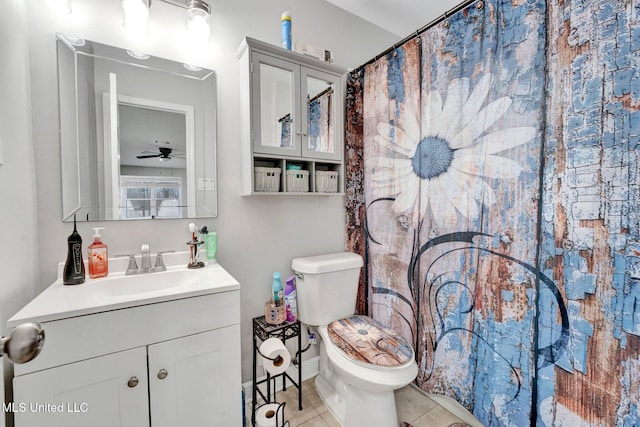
{"points": [[413, 406]]}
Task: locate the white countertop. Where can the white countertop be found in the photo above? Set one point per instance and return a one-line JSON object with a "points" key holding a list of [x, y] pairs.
{"points": [[117, 291]]}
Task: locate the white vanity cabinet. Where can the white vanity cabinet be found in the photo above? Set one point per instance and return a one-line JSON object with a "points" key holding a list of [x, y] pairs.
{"points": [[164, 362], [292, 114], [92, 392]]}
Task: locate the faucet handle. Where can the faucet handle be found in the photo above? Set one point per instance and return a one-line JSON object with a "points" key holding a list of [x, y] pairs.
{"points": [[132, 268], [160, 262]]}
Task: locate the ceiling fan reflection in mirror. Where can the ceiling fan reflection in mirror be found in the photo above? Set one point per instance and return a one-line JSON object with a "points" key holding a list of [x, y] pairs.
{"points": [[163, 153]]}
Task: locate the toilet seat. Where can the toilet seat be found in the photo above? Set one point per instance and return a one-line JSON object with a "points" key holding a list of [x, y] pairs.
{"points": [[368, 343]]}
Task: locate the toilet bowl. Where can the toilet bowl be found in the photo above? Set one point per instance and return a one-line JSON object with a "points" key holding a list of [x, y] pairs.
{"points": [[361, 361]]}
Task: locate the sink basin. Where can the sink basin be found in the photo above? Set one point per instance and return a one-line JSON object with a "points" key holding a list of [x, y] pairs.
{"points": [[119, 286], [120, 291]]}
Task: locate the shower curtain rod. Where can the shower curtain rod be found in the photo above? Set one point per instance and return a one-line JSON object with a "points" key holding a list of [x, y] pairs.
{"points": [[420, 31]]}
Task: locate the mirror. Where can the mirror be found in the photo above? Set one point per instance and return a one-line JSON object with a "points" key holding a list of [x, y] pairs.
{"points": [[138, 135], [297, 109], [276, 101], [320, 120]]}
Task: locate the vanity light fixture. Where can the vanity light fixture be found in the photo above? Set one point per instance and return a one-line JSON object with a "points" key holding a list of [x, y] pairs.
{"points": [[136, 17], [198, 13], [59, 6]]}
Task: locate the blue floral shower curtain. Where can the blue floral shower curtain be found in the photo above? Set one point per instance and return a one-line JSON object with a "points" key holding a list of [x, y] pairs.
{"points": [[492, 186], [452, 123]]}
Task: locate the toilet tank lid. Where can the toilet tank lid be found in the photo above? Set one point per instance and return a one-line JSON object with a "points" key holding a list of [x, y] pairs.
{"points": [[326, 263]]}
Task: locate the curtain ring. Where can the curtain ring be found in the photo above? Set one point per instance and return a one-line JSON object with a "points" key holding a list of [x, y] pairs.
{"points": [[395, 52], [418, 40], [445, 21], [480, 5]]}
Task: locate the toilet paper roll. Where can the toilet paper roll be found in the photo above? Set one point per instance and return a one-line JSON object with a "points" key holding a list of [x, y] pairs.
{"points": [[267, 415], [274, 349]]}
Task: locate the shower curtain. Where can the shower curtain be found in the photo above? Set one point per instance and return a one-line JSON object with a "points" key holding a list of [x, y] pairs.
{"points": [[447, 169]]}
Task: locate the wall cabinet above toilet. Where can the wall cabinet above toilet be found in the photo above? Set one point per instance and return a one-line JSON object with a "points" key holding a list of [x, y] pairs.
{"points": [[292, 119]]}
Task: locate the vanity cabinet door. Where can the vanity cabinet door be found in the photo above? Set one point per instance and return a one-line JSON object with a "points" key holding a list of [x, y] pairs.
{"points": [[105, 391], [195, 380], [276, 127]]}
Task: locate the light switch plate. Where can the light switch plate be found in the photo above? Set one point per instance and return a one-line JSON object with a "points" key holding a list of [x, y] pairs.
{"points": [[206, 184]]}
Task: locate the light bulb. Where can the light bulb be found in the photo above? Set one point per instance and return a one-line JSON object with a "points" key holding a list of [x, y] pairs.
{"points": [[136, 17], [198, 21], [198, 29]]}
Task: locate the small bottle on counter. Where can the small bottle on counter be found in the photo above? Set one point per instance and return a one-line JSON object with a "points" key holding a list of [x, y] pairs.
{"points": [[211, 245], [98, 256]]}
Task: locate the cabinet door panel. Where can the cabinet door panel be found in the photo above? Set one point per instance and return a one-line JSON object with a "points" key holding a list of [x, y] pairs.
{"points": [[195, 380], [93, 392], [275, 93]]}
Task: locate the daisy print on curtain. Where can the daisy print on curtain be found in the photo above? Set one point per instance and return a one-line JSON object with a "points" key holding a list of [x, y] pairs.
{"points": [[442, 159]]}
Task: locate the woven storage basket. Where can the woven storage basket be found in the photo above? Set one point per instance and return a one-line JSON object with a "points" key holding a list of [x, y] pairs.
{"points": [[297, 181], [266, 179], [326, 182]]}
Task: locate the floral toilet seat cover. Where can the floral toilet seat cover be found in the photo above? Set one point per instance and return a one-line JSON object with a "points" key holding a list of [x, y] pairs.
{"points": [[365, 340]]}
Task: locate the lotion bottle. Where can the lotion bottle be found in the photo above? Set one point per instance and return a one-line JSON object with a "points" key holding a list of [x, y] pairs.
{"points": [[98, 256], [73, 273]]}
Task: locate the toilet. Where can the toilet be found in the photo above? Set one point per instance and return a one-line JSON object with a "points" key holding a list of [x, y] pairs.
{"points": [[361, 361]]}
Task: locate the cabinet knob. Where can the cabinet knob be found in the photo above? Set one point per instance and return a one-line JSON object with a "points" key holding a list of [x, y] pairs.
{"points": [[133, 381], [162, 374]]}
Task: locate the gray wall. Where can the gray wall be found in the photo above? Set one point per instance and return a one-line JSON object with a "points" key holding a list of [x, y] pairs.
{"points": [[256, 235], [18, 226]]}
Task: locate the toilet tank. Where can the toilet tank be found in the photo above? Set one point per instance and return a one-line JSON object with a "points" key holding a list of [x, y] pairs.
{"points": [[326, 286]]}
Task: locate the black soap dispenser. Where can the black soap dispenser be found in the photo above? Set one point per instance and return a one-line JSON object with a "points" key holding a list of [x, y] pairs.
{"points": [[73, 273]]}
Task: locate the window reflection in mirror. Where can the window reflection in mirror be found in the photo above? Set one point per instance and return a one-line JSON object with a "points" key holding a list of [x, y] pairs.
{"points": [[126, 117]]}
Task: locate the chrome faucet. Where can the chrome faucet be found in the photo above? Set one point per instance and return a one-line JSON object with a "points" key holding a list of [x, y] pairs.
{"points": [[145, 265]]}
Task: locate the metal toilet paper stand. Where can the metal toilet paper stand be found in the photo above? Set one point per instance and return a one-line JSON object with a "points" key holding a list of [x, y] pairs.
{"points": [[284, 331]]}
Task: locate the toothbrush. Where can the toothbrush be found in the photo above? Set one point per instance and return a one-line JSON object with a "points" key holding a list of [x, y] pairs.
{"points": [[193, 229]]}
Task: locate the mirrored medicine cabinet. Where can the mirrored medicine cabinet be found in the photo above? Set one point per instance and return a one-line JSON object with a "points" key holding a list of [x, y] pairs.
{"points": [[138, 134], [292, 122]]}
